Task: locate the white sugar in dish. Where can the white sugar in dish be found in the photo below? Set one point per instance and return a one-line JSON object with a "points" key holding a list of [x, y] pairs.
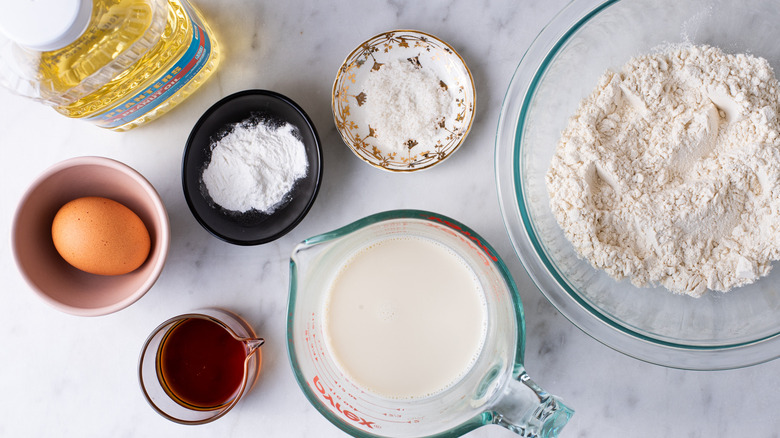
{"points": [[406, 106], [255, 166]]}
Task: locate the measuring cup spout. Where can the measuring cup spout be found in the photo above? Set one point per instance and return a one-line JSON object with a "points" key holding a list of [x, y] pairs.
{"points": [[252, 344], [529, 411]]}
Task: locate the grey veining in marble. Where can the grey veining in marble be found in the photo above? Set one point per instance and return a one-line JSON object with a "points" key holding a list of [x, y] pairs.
{"points": [[76, 377]]}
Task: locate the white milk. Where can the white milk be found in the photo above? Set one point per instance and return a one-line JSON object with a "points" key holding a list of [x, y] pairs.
{"points": [[405, 317]]}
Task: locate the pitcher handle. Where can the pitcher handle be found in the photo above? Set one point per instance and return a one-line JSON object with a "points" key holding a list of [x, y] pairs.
{"points": [[529, 411]]}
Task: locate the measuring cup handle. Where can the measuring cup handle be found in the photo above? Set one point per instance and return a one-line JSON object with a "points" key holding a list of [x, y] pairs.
{"points": [[529, 411]]}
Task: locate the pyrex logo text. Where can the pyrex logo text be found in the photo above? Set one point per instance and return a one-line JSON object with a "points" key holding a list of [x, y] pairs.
{"points": [[349, 414]]}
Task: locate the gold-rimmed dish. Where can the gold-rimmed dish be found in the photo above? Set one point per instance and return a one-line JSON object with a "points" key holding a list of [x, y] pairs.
{"points": [[350, 96]]}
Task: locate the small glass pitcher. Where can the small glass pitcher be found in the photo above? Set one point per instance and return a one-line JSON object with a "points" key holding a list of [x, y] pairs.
{"points": [[160, 395], [496, 389]]}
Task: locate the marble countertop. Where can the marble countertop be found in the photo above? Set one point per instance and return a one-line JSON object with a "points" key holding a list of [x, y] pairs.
{"points": [[66, 376]]}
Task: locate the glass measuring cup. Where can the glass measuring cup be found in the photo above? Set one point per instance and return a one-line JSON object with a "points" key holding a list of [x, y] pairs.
{"points": [[160, 392], [495, 390]]}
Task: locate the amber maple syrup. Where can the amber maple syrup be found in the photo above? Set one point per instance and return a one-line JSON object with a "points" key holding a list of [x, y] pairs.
{"points": [[200, 365]]}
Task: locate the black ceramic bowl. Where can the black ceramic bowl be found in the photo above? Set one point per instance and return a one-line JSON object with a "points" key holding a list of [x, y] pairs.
{"points": [[252, 227]]}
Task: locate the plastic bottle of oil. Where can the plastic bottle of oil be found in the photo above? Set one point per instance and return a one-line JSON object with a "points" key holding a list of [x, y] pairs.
{"points": [[116, 63]]}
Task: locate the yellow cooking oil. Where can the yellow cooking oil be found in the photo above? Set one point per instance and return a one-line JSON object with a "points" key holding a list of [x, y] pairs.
{"points": [[127, 69]]}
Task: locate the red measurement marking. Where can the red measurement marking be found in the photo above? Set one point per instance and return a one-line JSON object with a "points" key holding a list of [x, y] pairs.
{"points": [[466, 234]]}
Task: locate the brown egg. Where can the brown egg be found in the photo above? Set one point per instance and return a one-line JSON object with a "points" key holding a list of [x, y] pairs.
{"points": [[100, 236]]}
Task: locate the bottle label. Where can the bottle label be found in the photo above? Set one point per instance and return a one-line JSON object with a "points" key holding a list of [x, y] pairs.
{"points": [[181, 73]]}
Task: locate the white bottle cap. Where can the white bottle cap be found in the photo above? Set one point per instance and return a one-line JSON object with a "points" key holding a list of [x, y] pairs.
{"points": [[44, 24]]}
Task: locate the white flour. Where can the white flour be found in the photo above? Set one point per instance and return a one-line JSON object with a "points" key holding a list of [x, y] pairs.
{"points": [[405, 105], [255, 166], [669, 172]]}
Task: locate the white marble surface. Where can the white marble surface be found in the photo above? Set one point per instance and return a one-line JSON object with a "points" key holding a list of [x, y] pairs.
{"points": [[67, 376]]}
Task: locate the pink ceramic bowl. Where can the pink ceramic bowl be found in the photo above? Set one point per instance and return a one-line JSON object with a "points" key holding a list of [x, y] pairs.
{"points": [[57, 282]]}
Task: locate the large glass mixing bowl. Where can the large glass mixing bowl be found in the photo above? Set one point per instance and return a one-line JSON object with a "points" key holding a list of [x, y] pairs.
{"points": [[562, 66]]}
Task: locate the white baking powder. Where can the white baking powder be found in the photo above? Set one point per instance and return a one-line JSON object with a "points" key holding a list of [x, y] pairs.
{"points": [[255, 166], [669, 172], [405, 105]]}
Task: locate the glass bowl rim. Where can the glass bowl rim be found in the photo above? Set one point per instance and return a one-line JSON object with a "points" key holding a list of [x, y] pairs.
{"points": [[510, 129]]}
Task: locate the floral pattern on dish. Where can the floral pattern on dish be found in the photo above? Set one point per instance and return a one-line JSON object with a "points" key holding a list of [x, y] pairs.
{"points": [[425, 51]]}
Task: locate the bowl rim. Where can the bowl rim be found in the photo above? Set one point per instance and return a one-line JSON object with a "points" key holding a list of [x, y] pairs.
{"points": [[163, 242], [318, 164], [507, 165], [344, 137]]}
